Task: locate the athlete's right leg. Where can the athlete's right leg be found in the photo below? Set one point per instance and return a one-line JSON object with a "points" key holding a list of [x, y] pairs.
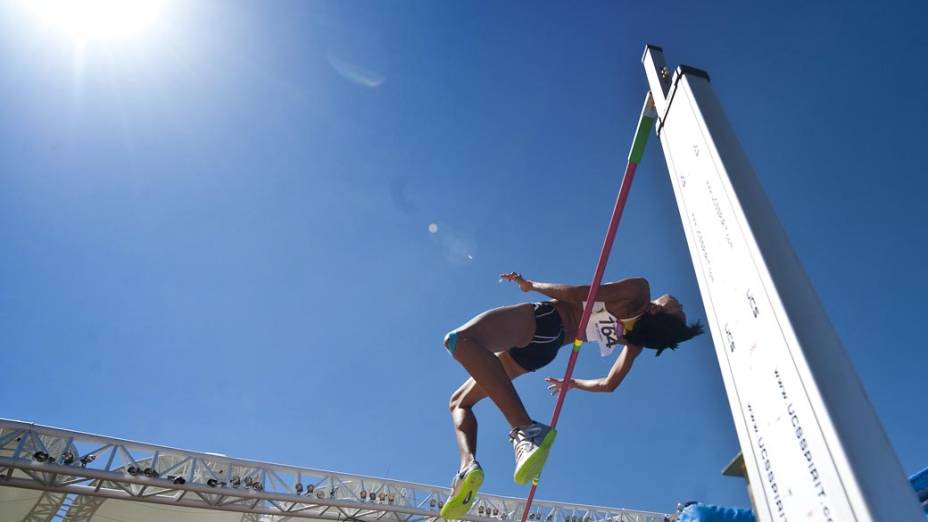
{"points": [[475, 345]]}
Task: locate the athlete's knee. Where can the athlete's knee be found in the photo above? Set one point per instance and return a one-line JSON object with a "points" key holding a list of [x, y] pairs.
{"points": [[455, 401], [451, 340], [459, 401]]}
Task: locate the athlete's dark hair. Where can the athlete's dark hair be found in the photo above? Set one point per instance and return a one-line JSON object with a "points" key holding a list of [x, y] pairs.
{"points": [[661, 330]]}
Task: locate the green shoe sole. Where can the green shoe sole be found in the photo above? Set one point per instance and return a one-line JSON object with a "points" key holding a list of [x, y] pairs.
{"points": [[533, 465], [458, 505]]}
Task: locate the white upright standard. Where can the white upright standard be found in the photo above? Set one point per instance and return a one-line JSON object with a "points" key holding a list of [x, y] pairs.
{"points": [[812, 444]]}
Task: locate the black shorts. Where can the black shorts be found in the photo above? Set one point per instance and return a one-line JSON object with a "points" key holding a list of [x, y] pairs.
{"points": [[548, 338]]}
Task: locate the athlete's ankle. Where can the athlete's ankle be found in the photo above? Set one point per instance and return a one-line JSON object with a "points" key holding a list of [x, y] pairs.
{"points": [[468, 462], [523, 427]]}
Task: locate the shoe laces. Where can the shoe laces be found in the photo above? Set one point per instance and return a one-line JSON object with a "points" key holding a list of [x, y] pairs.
{"points": [[523, 448]]}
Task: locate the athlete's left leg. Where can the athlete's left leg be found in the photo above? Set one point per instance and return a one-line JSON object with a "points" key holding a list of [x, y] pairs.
{"points": [[469, 478], [462, 414]]}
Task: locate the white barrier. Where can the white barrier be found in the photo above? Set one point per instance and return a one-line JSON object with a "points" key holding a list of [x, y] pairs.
{"points": [[812, 444]]}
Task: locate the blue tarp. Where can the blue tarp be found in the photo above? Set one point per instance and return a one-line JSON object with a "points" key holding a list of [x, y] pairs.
{"points": [[920, 485], [708, 513]]}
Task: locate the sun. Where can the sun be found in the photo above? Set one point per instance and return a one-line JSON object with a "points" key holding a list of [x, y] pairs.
{"points": [[88, 20]]}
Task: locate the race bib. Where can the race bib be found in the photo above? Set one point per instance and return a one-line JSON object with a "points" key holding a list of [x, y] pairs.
{"points": [[604, 329]]}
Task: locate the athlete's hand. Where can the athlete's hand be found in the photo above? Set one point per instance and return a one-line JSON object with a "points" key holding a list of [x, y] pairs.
{"points": [[524, 284], [555, 385]]}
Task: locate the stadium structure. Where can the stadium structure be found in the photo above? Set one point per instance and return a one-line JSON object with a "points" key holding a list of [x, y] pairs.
{"points": [[51, 474]]}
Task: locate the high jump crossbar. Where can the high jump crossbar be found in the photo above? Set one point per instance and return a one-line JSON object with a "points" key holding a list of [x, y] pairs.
{"points": [[645, 124]]}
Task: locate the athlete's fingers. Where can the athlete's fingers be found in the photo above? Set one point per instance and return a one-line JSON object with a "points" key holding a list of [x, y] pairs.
{"points": [[555, 385]]}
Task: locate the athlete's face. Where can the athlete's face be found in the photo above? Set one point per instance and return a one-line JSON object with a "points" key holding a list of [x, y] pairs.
{"points": [[669, 304]]}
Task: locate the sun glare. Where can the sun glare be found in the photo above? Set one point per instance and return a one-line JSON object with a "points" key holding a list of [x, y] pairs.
{"points": [[98, 19]]}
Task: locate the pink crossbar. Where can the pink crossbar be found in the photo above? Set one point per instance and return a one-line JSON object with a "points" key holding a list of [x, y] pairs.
{"points": [[588, 308]]}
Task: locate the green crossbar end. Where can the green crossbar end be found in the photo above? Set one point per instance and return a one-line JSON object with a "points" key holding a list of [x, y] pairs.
{"points": [[645, 124]]}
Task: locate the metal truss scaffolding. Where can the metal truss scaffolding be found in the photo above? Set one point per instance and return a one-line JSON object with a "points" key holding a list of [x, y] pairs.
{"points": [[49, 473]]}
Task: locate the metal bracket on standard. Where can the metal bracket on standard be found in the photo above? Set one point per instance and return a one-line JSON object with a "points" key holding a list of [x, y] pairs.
{"points": [[658, 73]]}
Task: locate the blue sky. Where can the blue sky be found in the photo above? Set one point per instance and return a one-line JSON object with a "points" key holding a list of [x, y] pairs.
{"points": [[215, 234]]}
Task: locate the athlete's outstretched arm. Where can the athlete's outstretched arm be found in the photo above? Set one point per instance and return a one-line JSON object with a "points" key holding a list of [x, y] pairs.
{"points": [[634, 292], [609, 383]]}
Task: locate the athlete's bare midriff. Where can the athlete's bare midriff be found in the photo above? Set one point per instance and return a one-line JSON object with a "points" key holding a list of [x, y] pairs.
{"points": [[570, 317]]}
